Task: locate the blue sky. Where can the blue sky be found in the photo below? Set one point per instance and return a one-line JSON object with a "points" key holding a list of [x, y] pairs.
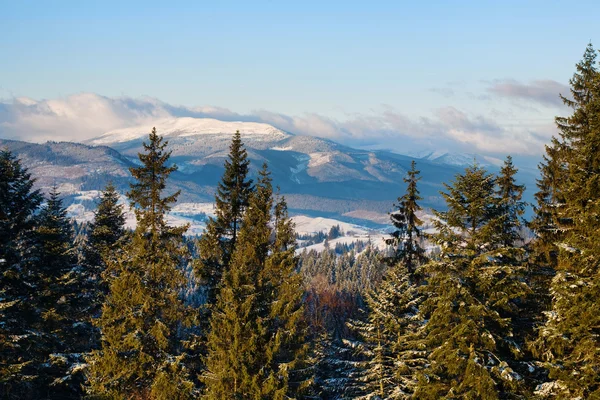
{"points": [[487, 66]]}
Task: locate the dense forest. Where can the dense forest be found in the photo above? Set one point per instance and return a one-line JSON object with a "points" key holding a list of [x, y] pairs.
{"points": [[103, 312]]}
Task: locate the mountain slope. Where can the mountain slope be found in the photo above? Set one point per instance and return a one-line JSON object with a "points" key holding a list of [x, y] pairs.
{"points": [[319, 177], [304, 167]]}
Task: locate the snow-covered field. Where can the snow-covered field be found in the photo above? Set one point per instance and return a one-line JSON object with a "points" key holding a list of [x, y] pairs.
{"points": [[376, 239], [183, 213], [196, 215], [310, 225]]}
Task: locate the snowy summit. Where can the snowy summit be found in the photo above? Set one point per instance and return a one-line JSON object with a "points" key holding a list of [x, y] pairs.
{"points": [[187, 126]]}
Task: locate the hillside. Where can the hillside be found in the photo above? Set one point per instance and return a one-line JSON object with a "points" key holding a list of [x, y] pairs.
{"points": [[319, 177]]}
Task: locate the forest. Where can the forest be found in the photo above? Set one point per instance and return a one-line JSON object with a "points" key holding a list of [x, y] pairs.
{"points": [[476, 310]]}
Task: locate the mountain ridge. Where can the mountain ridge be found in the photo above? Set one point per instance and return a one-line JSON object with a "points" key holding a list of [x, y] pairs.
{"points": [[319, 177]]}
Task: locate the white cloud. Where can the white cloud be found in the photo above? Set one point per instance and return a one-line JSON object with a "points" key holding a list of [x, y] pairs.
{"points": [[86, 115]]}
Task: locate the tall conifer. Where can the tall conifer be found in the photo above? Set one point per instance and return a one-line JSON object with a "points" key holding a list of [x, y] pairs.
{"points": [[257, 344], [391, 331], [217, 244], [568, 341], [283, 290], [20, 347], [474, 289], [105, 231], [236, 342], [142, 354], [405, 240]]}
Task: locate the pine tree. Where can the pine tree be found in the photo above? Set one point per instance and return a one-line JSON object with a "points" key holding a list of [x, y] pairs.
{"points": [[142, 354], [236, 342], [63, 305], [105, 231], [19, 346], [105, 239], [568, 341], [391, 331], [55, 234], [405, 240], [510, 207], [217, 244], [283, 290], [257, 345], [474, 290]]}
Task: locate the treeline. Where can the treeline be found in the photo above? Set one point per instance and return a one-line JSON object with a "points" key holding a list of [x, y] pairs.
{"points": [[236, 314]]}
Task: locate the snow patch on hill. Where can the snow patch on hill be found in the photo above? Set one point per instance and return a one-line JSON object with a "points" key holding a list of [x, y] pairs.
{"points": [[458, 159], [377, 240], [308, 225]]}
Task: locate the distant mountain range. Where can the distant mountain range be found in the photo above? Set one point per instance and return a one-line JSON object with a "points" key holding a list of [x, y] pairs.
{"points": [[319, 177]]}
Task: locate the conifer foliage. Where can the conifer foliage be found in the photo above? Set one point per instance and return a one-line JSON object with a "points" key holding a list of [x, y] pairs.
{"points": [[106, 230], [473, 291], [393, 323], [486, 315], [405, 239], [257, 340], [19, 347], [569, 340], [231, 200], [141, 355]]}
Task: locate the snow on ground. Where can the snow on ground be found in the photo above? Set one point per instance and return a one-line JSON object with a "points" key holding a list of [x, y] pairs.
{"points": [[79, 213], [196, 227], [195, 214], [191, 209], [88, 195], [308, 225], [317, 159], [377, 240], [180, 214]]}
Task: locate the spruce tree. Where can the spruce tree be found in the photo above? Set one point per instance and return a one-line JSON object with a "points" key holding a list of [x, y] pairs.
{"points": [[236, 342], [283, 290], [405, 239], [257, 344], [217, 245], [20, 347], [568, 341], [142, 354], [474, 289], [62, 300], [106, 234], [510, 207], [390, 334], [105, 231], [55, 234]]}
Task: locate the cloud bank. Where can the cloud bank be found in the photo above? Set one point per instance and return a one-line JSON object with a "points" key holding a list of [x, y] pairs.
{"points": [[86, 115]]}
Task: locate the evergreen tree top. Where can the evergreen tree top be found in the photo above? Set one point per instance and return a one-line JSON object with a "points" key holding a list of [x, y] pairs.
{"points": [[18, 200], [470, 207], [146, 191]]}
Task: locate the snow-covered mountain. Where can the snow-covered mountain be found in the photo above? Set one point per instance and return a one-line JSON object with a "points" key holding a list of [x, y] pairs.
{"points": [[453, 158], [192, 128], [319, 177]]}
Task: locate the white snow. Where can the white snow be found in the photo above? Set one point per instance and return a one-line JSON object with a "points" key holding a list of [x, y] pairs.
{"points": [[88, 195], [377, 240], [308, 225], [191, 209], [180, 214], [317, 159], [187, 127], [452, 158]]}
